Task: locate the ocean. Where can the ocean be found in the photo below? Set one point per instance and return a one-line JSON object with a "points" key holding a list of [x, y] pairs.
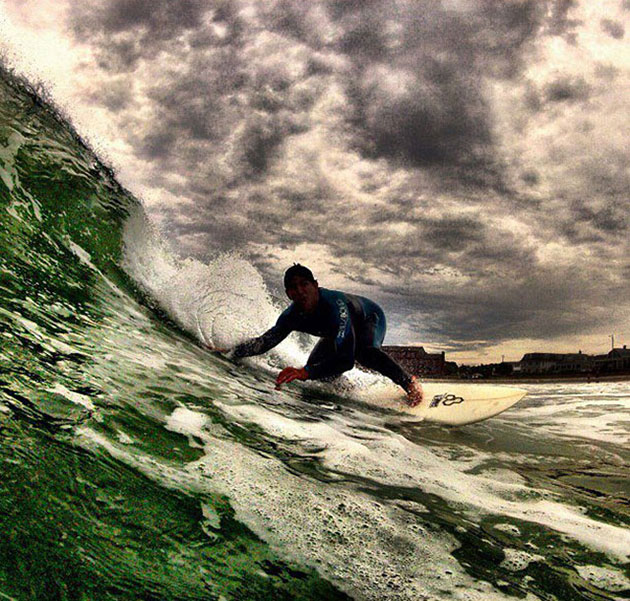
{"points": [[136, 465]]}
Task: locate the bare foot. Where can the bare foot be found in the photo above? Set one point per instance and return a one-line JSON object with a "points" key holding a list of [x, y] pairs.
{"points": [[414, 392]]}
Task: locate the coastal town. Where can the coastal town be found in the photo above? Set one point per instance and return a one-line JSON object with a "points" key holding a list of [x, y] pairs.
{"points": [[532, 365]]}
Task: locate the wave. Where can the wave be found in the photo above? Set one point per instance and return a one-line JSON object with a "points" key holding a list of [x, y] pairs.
{"points": [[67, 222], [135, 439]]}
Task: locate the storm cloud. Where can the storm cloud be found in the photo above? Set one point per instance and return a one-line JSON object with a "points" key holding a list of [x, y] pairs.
{"points": [[464, 163]]}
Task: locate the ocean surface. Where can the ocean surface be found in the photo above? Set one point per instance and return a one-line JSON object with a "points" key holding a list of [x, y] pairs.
{"points": [[136, 465]]}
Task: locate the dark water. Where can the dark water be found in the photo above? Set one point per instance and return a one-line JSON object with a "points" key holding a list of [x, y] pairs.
{"points": [[134, 465]]}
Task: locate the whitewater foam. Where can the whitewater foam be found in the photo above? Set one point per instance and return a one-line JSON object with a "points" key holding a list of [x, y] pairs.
{"points": [[509, 528], [75, 397], [391, 459], [517, 560], [603, 419], [605, 578], [330, 529]]}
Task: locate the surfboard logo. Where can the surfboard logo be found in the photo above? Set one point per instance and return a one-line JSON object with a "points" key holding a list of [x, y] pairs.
{"points": [[447, 400]]}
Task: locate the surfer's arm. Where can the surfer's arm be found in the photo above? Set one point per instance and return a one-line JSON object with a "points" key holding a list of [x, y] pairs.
{"points": [[265, 342], [343, 357]]}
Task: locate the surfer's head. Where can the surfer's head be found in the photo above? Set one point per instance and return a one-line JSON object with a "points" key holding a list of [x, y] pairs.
{"points": [[301, 287]]}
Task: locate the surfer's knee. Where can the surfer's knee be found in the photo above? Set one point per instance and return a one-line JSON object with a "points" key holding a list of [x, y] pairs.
{"points": [[346, 365], [369, 357]]}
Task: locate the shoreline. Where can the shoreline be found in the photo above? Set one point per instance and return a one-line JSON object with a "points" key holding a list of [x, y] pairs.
{"points": [[534, 380]]}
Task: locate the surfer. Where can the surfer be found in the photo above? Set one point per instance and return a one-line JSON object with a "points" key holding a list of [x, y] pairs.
{"points": [[352, 328]]}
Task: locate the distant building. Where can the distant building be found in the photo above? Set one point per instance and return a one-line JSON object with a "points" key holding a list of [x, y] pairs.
{"points": [[547, 363], [617, 360], [572, 363], [417, 361], [538, 363]]}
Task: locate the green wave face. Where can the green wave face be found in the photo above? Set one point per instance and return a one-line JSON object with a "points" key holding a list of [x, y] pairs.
{"points": [[79, 524], [61, 223]]}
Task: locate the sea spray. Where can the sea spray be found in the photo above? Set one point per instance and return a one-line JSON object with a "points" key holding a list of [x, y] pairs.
{"points": [[222, 302]]}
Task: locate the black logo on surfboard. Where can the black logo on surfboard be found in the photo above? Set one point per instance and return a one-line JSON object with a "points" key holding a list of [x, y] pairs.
{"points": [[446, 400]]}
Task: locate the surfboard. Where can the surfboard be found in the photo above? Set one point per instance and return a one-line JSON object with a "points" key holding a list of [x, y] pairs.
{"points": [[452, 404]]}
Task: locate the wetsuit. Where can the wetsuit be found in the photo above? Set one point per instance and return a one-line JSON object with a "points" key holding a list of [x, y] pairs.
{"points": [[352, 329]]}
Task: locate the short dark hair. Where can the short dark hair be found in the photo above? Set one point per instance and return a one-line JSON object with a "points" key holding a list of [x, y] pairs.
{"points": [[297, 270]]}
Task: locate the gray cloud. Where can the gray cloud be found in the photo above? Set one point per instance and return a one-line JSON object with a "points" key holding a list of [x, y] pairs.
{"points": [[416, 88], [437, 119], [155, 21], [117, 95], [613, 28], [436, 58], [560, 23], [566, 89], [375, 130], [561, 299]]}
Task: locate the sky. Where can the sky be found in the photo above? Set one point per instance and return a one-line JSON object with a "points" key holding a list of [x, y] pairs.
{"points": [[463, 163]]}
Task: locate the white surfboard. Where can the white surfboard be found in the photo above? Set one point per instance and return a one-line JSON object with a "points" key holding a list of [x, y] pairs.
{"points": [[453, 404]]}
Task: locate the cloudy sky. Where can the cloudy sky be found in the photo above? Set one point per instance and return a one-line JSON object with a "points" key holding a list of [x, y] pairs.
{"points": [[464, 163]]}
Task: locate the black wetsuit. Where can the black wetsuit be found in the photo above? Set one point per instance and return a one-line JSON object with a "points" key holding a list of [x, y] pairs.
{"points": [[352, 329]]}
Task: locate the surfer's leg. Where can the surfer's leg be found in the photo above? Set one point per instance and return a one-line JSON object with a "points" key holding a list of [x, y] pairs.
{"points": [[378, 360], [322, 351], [373, 329], [370, 355]]}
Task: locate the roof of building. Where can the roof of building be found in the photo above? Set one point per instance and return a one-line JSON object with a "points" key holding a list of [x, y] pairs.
{"points": [[554, 357], [543, 356], [402, 347], [619, 352]]}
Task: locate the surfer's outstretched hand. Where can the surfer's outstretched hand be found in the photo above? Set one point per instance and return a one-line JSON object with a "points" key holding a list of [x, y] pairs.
{"points": [[288, 374], [414, 392]]}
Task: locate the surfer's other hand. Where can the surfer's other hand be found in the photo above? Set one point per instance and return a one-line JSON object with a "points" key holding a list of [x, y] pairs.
{"points": [[288, 374], [414, 392]]}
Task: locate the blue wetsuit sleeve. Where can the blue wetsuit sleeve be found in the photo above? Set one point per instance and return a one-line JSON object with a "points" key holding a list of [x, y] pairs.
{"points": [[343, 357], [265, 342]]}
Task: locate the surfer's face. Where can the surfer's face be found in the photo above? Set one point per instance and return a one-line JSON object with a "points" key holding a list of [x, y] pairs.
{"points": [[304, 293]]}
